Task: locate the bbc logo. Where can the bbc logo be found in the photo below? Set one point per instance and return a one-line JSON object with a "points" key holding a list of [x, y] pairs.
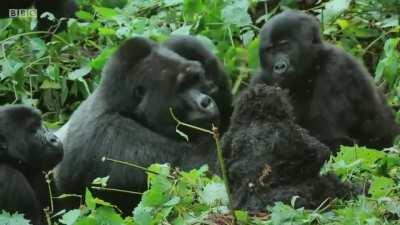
{"points": [[14, 13]]}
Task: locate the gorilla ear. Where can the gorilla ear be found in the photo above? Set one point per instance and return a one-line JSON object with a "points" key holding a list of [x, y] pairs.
{"points": [[3, 145], [316, 33], [134, 49]]}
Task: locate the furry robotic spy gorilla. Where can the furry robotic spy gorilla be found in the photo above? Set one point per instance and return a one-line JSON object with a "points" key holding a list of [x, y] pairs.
{"points": [[270, 158], [333, 95], [26, 149], [128, 118]]}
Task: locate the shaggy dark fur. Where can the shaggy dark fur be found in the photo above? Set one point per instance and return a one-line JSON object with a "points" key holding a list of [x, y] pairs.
{"points": [[26, 149], [270, 158], [333, 95]]}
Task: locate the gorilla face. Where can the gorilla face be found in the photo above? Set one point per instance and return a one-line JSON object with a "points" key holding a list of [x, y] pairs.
{"points": [[288, 47], [25, 141], [184, 90]]}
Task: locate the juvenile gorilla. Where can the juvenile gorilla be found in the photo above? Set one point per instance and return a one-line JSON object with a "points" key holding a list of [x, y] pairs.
{"points": [[26, 149], [192, 49], [270, 158], [333, 95], [59, 8], [128, 118]]}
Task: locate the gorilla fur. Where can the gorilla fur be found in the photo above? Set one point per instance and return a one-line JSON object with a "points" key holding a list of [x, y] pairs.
{"points": [[270, 158], [26, 149], [128, 118], [333, 95]]}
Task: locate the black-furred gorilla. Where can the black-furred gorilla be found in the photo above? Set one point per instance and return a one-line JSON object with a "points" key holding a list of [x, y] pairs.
{"points": [[26, 149], [191, 48], [333, 95], [59, 8], [270, 158], [128, 118]]}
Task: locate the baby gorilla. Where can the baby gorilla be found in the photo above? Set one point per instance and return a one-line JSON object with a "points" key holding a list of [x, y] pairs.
{"points": [[270, 158], [26, 149], [333, 95]]}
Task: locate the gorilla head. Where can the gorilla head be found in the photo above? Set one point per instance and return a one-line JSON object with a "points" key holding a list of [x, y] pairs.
{"points": [[151, 81], [284, 40], [26, 149], [191, 48], [25, 141]]}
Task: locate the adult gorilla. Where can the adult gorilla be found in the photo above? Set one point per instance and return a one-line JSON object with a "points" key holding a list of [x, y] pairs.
{"points": [[128, 118], [333, 95], [26, 149], [191, 48]]}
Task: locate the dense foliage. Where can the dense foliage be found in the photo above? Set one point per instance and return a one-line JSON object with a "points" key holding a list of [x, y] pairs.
{"points": [[56, 72]]}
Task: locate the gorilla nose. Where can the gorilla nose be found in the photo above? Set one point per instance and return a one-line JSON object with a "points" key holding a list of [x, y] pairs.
{"points": [[280, 67], [54, 140], [206, 104]]}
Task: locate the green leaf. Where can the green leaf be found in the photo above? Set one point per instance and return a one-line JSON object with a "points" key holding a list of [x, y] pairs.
{"points": [[107, 13], [89, 200], [38, 47], [143, 215], [242, 216], [381, 186], [70, 217], [334, 8], [47, 84], [184, 30], [84, 15], [214, 193], [102, 181], [236, 14], [107, 215], [104, 31], [79, 73], [101, 59], [14, 219]]}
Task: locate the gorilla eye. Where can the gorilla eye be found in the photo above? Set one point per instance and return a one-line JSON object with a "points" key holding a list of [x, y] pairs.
{"points": [[188, 79], [139, 91], [283, 44], [268, 47]]}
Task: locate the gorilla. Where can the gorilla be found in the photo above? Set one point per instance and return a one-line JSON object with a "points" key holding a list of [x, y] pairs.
{"points": [[192, 49], [333, 95], [59, 8], [26, 149], [128, 118], [270, 158]]}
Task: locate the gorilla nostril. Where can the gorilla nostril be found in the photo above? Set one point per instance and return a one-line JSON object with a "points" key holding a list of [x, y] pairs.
{"points": [[205, 102], [280, 66]]}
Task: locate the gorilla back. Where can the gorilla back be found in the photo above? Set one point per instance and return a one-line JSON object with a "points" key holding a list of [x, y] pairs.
{"points": [[128, 118]]}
